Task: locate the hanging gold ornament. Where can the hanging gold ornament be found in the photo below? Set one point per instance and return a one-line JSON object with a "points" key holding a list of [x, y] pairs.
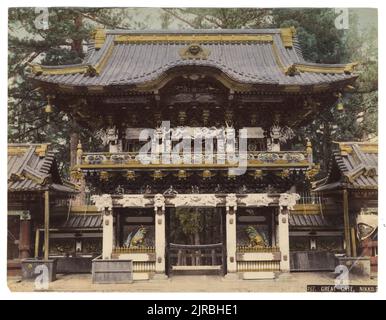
{"points": [[231, 176], [48, 109], [130, 175], [104, 176], [182, 175], [340, 106], [257, 174], [207, 174], [157, 175]]}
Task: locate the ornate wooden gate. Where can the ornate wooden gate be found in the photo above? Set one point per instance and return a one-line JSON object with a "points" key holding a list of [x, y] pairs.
{"points": [[196, 259]]}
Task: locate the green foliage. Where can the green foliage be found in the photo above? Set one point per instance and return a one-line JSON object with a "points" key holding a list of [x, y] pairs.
{"points": [[191, 220], [219, 18], [318, 37]]}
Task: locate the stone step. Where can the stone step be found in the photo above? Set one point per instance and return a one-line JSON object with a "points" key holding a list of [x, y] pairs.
{"points": [[258, 275], [197, 270]]}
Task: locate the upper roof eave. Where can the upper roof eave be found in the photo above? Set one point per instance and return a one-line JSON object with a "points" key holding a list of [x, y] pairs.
{"points": [[278, 64]]}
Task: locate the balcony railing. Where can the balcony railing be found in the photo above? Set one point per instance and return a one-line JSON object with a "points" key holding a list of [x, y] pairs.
{"points": [[120, 250], [248, 249], [255, 159]]}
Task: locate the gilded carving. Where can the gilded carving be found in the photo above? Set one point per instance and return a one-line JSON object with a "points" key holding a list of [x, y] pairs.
{"points": [[194, 51]]}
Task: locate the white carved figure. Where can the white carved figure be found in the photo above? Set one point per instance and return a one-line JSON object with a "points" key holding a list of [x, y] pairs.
{"points": [[257, 200], [278, 135], [159, 202], [230, 140], [102, 202], [231, 202], [157, 146], [133, 200], [288, 200]]}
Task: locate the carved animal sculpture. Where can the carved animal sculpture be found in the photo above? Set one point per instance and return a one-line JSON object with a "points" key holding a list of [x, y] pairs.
{"points": [[136, 237], [255, 238]]}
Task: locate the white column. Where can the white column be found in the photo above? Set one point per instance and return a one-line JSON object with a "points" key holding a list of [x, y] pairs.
{"points": [[283, 235], [231, 240], [160, 241], [107, 245]]}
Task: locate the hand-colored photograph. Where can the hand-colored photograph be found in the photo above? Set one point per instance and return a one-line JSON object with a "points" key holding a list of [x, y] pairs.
{"points": [[192, 149]]}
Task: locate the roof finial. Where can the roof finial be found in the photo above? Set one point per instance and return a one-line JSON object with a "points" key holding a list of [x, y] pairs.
{"points": [[99, 35]]}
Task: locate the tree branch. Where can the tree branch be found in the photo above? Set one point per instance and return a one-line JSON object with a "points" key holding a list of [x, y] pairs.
{"points": [[171, 12]]}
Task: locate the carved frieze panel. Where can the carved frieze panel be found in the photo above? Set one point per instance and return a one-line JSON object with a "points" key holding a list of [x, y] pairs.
{"points": [[195, 200], [132, 200], [257, 200]]}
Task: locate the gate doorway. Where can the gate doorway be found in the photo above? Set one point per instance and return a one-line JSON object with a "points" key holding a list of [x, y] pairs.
{"points": [[196, 241]]}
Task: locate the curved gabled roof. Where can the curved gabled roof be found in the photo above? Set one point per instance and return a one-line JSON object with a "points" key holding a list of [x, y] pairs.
{"points": [[354, 165], [32, 167], [261, 57]]}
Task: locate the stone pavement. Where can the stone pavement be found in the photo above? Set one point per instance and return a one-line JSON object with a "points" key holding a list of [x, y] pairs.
{"points": [[293, 282]]}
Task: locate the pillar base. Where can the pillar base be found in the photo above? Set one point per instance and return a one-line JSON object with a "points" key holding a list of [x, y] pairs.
{"points": [[258, 275], [160, 276], [231, 276]]}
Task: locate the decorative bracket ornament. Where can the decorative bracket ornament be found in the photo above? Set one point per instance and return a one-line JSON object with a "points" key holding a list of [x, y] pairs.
{"points": [[102, 202], [130, 201], [231, 202], [159, 202], [25, 215], [292, 70], [288, 200], [76, 175], [194, 51], [311, 173]]}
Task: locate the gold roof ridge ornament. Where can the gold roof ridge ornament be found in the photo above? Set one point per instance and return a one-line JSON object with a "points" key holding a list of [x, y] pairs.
{"points": [[99, 36], [287, 36], [194, 51], [296, 68], [41, 149], [192, 38]]}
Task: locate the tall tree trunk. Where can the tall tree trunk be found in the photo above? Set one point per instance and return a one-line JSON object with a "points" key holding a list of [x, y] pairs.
{"points": [[326, 145], [74, 139], [77, 43]]}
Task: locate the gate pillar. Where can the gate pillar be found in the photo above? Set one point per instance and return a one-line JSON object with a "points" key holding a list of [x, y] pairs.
{"points": [[231, 207], [160, 240]]}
